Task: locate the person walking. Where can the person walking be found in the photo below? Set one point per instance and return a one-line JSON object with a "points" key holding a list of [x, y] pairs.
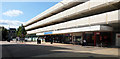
{"points": [[38, 40], [16, 39], [22, 39], [84, 42], [51, 40], [101, 41]]}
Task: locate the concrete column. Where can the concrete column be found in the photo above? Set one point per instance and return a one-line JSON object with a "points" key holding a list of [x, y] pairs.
{"points": [[72, 39], [118, 39]]}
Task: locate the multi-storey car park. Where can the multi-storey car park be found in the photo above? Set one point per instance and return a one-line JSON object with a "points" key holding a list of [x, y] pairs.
{"points": [[96, 21]]}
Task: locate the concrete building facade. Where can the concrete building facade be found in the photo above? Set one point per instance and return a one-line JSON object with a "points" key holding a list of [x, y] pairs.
{"points": [[95, 21], [12, 33]]}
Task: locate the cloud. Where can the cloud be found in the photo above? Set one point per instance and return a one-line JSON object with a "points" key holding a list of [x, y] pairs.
{"points": [[12, 13], [11, 24], [31, 0]]}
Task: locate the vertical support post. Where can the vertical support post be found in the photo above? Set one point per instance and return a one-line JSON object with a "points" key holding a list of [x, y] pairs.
{"points": [[72, 38], [83, 36], [111, 38], [94, 38]]}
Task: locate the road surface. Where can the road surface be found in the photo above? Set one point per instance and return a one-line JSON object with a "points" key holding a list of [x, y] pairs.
{"points": [[23, 50]]}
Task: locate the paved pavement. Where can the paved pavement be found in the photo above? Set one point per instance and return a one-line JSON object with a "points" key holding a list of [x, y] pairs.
{"points": [[31, 49]]}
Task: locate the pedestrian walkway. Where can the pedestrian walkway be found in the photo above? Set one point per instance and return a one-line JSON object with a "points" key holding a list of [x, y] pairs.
{"points": [[74, 50], [78, 49], [5, 42], [44, 43]]}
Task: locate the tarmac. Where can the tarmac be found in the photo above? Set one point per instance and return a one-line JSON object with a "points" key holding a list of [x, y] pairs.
{"points": [[73, 50]]}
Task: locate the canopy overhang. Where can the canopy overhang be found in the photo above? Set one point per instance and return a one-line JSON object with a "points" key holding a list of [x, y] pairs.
{"points": [[81, 29]]}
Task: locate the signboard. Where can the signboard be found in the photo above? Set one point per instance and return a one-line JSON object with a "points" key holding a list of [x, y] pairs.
{"points": [[47, 33]]}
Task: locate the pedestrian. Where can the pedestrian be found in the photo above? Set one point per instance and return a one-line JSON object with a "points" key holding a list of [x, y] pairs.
{"points": [[57, 39], [51, 40], [16, 39], [81, 42], [22, 40], [38, 41], [84, 42], [101, 41], [9, 39]]}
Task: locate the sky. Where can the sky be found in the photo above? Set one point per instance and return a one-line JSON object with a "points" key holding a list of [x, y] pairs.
{"points": [[13, 14]]}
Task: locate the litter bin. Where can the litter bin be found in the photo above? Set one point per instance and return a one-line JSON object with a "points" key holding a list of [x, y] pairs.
{"points": [[8, 40], [38, 41]]}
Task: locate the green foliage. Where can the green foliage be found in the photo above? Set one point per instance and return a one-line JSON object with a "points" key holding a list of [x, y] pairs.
{"points": [[4, 33], [21, 31]]}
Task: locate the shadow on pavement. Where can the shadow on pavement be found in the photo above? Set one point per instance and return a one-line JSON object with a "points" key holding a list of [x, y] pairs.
{"points": [[23, 51]]}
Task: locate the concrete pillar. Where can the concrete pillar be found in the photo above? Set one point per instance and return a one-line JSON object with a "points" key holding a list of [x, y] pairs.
{"points": [[118, 39], [72, 39]]}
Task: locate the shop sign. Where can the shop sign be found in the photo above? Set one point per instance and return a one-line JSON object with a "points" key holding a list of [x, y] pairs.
{"points": [[47, 33], [88, 32], [97, 33], [67, 34]]}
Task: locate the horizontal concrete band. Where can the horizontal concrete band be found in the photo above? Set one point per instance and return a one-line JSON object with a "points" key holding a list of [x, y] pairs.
{"points": [[82, 29], [55, 9], [78, 10], [105, 18]]}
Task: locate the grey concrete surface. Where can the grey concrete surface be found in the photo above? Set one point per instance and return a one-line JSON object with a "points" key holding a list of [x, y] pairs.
{"points": [[55, 50]]}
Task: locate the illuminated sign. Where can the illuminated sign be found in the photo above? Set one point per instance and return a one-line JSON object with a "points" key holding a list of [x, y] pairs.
{"points": [[47, 33]]}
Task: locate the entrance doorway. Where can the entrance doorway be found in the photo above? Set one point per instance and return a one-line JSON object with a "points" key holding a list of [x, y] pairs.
{"points": [[89, 37], [103, 39], [98, 38]]}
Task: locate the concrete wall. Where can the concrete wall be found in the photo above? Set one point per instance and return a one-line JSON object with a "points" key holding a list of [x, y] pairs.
{"points": [[105, 18], [77, 11], [82, 29], [118, 39]]}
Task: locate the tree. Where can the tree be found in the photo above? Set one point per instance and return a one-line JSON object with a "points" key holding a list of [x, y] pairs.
{"points": [[4, 34], [21, 32]]}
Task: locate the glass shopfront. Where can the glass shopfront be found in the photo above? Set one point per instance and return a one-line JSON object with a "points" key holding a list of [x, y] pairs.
{"points": [[98, 38], [89, 37]]}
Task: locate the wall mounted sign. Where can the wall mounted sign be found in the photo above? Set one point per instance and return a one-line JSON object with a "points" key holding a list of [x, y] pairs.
{"points": [[47, 33]]}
